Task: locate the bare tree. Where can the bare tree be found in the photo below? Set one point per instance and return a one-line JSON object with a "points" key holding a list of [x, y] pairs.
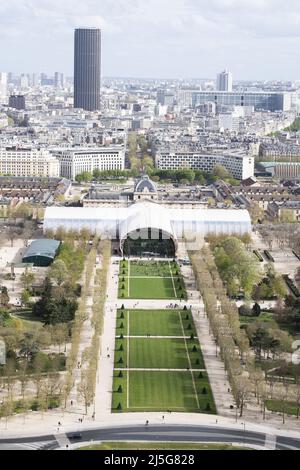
{"points": [[243, 391], [85, 391]]}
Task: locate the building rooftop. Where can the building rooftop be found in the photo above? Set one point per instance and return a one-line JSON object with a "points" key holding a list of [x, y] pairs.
{"points": [[145, 185], [42, 247]]}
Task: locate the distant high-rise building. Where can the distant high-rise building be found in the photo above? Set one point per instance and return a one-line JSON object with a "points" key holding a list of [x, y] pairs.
{"points": [[17, 102], [58, 80], [34, 79], [24, 81], [87, 68], [224, 81], [46, 81], [3, 84], [10, 77]]}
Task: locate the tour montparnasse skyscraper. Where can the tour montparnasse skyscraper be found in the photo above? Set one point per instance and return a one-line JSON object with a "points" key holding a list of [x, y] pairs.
{"points": [[87, 68]]}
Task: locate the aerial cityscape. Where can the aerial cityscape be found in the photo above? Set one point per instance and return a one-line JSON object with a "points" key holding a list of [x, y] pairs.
{"points": [[149, 228]]}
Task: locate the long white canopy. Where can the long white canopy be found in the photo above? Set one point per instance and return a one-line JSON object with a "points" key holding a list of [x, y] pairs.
{"points": [[119, 222]]}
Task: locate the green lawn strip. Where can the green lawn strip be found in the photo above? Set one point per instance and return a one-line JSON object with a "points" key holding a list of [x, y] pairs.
{"points": [[151, 268], [264, 317], [188, 323], [121, 324], [289, 408], [119, 395], [160, 446], [162, 391], [153, 281], [153, 390], [155, 322], [120, 358], [204, 392], [151, 288], [164, 353]]}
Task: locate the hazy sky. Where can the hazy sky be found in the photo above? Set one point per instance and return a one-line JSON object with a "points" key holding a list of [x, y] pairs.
{"points": [[256, 39]]}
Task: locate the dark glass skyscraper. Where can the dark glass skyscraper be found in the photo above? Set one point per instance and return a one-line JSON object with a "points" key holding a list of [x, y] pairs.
{"points": [[87, 68]]}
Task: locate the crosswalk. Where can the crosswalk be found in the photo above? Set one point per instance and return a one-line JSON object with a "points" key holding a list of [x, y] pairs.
{"points": [[39, 445], [62, 440], [270, 442]]}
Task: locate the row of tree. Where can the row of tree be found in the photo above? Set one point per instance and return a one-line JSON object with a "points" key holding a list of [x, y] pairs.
{"points": [[246, 378], [81, 315], [182, 176], [87, 386], [239, 268]]}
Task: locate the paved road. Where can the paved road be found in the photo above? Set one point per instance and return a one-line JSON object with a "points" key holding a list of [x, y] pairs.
{"points": [[158, 433]]}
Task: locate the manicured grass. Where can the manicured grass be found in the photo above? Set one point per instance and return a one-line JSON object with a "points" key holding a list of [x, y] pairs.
{"points": [[148, 288], [160, 446], [264, 317], [151, 353], [289, 407], [161, 391], [150, 268], [162, 354], [155, 322], [176, 390], [150, 280]]}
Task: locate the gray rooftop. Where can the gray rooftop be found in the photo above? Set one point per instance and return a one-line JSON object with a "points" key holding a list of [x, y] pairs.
{"points": [[42, 247]]}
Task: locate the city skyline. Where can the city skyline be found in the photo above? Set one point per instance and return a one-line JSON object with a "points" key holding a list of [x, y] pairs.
{"points": [[198, 38]]}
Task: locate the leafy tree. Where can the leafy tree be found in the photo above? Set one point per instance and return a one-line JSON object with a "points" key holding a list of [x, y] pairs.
{"points": [[84, 177], [25, 297], [27, 279], [221, 172], [238, 268], [29, 346], [58, 272], [4, 316], [256, 309], [53, 311], [4, 297]]}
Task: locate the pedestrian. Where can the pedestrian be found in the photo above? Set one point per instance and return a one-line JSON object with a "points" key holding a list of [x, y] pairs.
{"points": [[71, 402]]}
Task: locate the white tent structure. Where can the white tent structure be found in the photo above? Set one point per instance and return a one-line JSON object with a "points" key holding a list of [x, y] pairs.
{"points": [[118, 223]]}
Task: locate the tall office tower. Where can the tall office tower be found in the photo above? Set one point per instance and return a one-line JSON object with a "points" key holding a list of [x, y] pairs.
{"points": [[17, 102], [3, 84], [24, 81], [87, 68], [59, 80], [34, 79], [224, 81]]}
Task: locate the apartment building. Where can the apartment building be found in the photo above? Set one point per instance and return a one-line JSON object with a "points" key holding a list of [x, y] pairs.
{"points": [[76, 161], [17, 161], [239, 166]]}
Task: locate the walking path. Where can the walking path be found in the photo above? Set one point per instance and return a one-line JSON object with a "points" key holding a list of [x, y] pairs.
{"points": [[104, 386], [86, 336], [155, 337], [153, 369]]}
